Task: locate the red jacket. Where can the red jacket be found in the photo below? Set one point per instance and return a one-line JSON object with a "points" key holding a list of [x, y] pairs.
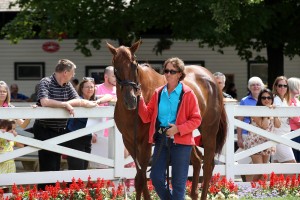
{"points": [[188, 116]]}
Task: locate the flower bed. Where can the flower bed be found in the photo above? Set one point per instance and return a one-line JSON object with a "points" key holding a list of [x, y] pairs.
{"points": [[220, 188], [277, 186]]}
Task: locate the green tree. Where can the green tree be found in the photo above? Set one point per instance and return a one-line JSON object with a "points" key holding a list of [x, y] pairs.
{"points": [[86, 20], [249, 25], [256, 24]]}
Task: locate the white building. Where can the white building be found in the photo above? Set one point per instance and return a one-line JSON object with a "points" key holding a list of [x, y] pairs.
{"points": [[22, 63]]}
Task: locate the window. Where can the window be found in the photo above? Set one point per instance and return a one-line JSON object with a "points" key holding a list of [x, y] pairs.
{"points": [[259, 69], [97, 72], [29, 70]]}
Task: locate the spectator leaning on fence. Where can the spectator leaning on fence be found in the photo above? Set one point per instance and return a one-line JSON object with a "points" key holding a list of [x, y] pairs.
{"points": [[8, 166], [255, 85], [100, 139], [294, 92], [109, 85], [56, 91], [283, 154], [265, 98], [86, 90], [8, 125]]}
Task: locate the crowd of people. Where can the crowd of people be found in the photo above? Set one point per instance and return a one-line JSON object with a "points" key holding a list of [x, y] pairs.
{"points": [[285, 92], [55, 91], [62, 90]]}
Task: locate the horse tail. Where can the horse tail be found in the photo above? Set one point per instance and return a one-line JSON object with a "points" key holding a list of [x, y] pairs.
{"points": [[222, 131]]}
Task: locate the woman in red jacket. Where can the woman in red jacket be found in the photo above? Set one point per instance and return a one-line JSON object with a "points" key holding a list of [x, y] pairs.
{"points": [[173, 113]]}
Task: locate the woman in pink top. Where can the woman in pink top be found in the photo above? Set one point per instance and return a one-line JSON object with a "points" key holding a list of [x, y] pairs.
{"points": [[294, 87]]}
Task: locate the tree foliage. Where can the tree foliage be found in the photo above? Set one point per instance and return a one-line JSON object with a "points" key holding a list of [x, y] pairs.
{"points": [[86, 20], [249, 25], [253, 25]]}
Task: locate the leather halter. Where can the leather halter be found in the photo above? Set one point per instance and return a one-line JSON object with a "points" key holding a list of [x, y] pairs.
{"points": [[135, 85]]}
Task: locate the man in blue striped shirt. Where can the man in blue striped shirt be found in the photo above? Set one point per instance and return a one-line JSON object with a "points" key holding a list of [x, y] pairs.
{"points": [[56, 91]]}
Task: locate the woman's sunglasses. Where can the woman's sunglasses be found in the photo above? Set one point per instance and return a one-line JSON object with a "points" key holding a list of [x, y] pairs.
{"points": [[88, 79], [281, 85], [268, 97], [170, 71]]}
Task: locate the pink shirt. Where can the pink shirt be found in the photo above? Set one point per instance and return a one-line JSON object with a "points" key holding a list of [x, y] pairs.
{"points": [[5, 104], [294, 121], [101, 90]]}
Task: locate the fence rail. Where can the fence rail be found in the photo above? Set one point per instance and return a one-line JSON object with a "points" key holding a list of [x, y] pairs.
{"points": [[115, 161]]}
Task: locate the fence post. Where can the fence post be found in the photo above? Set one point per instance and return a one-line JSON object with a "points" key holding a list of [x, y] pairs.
{"points": [[229, 155], [119, 154]]}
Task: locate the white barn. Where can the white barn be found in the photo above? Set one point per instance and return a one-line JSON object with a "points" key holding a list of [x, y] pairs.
{"points": [[30, 55]]}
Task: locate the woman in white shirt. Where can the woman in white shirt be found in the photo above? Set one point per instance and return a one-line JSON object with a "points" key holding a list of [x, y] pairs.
{"points": [[283, 154]]}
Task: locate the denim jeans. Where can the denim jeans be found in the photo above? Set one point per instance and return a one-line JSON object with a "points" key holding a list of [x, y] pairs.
{"points": [[179, 160], [81, 144]]}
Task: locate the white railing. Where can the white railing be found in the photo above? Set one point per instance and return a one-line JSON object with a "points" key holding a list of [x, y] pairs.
{"points": [[116, 161], [232, 168], [116, 150]]}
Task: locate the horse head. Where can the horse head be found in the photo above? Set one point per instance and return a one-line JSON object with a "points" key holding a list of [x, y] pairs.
{"points": [[126, 72]]}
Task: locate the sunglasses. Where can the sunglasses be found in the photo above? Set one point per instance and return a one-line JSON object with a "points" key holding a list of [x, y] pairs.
{"points": [[170, 71], [88, 79], [268, 97], [89, 87], [281, 85]]}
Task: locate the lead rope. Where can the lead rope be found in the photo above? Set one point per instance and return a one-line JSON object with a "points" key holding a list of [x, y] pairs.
{"points": [[168, 168], [135, 131]]}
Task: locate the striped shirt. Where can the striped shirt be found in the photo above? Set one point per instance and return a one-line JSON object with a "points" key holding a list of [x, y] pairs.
{"points": [[50, 89]]}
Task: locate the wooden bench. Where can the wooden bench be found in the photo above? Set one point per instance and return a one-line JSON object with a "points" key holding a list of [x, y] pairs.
{"points": [[30, 162]]}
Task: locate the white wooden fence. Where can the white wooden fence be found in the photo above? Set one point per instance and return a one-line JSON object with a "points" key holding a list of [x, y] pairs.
{"points": [[116, 161]]}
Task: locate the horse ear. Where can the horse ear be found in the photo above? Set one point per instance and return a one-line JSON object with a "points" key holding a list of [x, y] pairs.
{"points": [[135, 46], [111, 48]]}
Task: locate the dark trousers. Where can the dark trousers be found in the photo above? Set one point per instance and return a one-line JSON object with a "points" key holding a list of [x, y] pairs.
{"points": [[179, 156], [80, 144], [48, 160]]}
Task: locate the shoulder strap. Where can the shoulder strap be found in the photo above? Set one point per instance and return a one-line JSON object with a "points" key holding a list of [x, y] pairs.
{"points": [[179, 102], [157, 121]]}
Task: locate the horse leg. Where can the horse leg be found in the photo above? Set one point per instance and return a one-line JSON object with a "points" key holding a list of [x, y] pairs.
{"points": [[208, 162], [141, 185], [145, 158], [141, 178], [146, 193], [196, 162], [138, 183]]}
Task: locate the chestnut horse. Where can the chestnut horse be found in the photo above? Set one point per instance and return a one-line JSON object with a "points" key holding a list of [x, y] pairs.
{"points": [[131, 76]]}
